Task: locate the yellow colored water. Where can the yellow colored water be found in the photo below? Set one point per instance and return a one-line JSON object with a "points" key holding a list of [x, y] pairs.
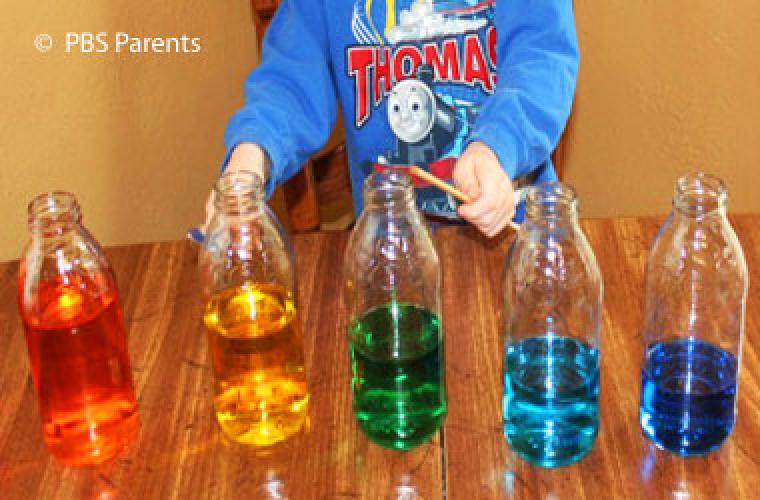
{"points": [[256, 346]]}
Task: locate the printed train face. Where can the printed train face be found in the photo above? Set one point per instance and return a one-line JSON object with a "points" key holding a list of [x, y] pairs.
{"points": [[411, 110], [429, 64]]}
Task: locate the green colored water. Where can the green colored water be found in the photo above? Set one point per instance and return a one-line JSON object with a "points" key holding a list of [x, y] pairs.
{"points": [[397, 374]]}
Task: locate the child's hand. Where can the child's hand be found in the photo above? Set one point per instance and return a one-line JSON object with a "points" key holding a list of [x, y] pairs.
{"points": [[246, 156], [479, 174]]}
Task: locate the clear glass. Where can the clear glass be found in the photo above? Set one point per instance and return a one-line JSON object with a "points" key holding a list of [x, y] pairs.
{"points": [[552, 323], [393, 283], [253, 327], [69, 304], [696, 292]]}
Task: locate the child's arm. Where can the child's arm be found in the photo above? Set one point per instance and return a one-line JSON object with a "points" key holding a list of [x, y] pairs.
{"points": [[289, 98], [537, 61], [519, 126]]}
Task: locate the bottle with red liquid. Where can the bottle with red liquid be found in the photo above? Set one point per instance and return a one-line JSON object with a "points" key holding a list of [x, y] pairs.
{"points": [[70, 308]]}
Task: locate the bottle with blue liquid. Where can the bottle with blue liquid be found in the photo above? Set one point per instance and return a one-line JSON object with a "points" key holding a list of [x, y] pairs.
{"points": [[696, 291], [552, 323]]}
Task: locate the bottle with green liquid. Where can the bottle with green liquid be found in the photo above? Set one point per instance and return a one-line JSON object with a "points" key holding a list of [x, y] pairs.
{"points": [[393, 280]]}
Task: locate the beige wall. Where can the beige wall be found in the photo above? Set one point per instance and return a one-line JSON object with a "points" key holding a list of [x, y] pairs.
{"points": [[665, 87], [138, 138]]}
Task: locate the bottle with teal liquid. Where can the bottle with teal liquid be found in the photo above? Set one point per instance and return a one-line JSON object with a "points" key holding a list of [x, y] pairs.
{"points": [[392, 290], [552, 322]]}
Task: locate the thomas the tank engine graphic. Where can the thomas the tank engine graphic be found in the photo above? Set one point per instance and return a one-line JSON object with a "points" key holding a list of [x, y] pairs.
{"points": [[424, 127]]}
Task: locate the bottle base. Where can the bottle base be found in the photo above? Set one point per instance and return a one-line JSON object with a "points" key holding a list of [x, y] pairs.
{"points": [[683, 452], [696, 443], [539, 450], [89, 451], [552, 463], [399, 437], [262, 430]]}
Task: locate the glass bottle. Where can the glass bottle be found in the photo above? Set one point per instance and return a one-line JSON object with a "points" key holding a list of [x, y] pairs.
{"points": [[552, 323], [251, 317], [69, 305], [696, 291], [393, 282]]}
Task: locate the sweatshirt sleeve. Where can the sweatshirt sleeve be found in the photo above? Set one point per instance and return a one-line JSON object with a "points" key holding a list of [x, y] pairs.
{"points": [[537, 61], [290, 101]]}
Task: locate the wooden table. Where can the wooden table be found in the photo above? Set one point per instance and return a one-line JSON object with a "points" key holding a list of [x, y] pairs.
{"points": [[181, 454]]}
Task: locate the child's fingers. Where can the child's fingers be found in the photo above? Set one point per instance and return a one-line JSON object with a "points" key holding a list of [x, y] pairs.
{"points": [[492, 222], [480, 213], [489, 201], [465, 178], [500, 222], [210, 211], [488, 213]]}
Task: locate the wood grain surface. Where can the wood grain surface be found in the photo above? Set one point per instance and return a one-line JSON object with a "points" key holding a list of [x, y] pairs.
{"points": [[622, 464], [181, 454]]}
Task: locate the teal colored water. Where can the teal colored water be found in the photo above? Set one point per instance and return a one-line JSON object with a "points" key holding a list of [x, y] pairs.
{"points": [[397, 374], [551, 394]]}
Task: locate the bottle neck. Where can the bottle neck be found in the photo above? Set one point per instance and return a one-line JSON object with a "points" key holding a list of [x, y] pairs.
{"points": [[700, 195], [551, 201], [54, 213], [238, 194], [389, 190]]}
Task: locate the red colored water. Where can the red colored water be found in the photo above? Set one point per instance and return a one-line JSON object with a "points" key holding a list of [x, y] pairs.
{"points": [[78, 355]]}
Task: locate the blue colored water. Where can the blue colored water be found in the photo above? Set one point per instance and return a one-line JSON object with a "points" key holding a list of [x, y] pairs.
{"points": [[551, 394], [688, 393]]}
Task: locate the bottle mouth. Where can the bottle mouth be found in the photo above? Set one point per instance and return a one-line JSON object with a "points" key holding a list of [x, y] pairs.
{"points": [[550, 199], [388, 187], [53, 207], [239, 190], [700, 193]]}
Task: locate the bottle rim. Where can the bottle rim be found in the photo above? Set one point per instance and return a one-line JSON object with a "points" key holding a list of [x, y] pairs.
{"points": [[53, 206], [551, 198], [700, 193], [238, 189], [388, 187]]}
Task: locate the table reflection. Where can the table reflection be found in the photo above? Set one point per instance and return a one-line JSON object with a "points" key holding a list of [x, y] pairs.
{"points": [[680, 478], [273, 487], [509, 474], [104, 491], [406, 489]]}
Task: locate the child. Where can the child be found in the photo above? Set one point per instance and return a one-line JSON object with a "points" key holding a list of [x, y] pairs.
{"points": [[475, 91]]}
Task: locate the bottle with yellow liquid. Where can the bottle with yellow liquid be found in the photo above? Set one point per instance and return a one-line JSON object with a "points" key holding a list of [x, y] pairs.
{"points": [[251, 317]]}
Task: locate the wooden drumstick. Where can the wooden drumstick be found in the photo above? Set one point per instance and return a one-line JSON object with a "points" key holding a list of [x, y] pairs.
{"points": [[448, 188]]}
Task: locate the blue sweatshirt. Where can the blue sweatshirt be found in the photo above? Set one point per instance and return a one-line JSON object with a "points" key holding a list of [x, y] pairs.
{"points": [[417, 80]]}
